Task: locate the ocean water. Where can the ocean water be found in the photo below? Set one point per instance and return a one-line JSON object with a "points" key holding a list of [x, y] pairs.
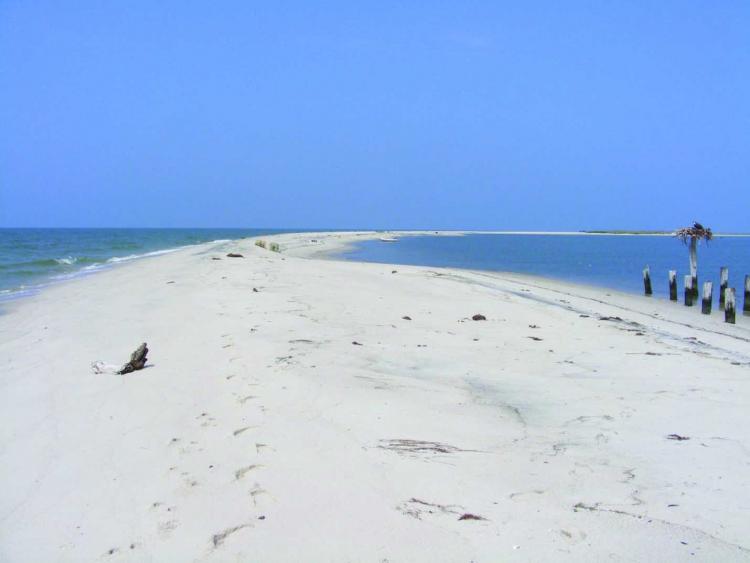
{"points": [[33, 258], [614, 262]]}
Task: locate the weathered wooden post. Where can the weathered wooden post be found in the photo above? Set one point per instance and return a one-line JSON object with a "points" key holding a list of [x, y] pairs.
{"points": [[708, 297], [688, 290], [694, 266], [723, 284], [647, 281], [746, 305], [729, 306], [672, 285]]}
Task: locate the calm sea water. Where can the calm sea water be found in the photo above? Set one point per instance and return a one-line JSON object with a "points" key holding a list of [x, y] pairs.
{"points": [[32, 258], [608, 261]]}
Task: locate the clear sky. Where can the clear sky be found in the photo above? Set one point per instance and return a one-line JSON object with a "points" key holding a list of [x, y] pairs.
{"points": [[468, 115]]}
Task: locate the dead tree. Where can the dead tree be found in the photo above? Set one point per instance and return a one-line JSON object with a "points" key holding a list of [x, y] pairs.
{"points": [[691, 236]]}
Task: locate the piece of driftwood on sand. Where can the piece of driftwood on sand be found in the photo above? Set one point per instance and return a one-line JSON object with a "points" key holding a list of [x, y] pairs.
{"points": [[137, 360]]}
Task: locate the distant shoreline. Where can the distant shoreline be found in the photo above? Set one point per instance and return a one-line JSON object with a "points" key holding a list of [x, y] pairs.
{"points": [[426, 232], [570, 233]]}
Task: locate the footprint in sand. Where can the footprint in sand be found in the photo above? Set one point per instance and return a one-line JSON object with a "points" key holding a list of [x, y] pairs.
{"points": [[206, 419], [166, 528], [243, 429], [167, 521], [218, 539], [242, 471], [190, 448], [259, 447], [573, 536], [256, 493], [521, 495]]}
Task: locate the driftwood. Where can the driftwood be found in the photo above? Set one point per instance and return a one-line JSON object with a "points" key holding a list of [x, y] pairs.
{"points": [[137, 360], [234, 255]]}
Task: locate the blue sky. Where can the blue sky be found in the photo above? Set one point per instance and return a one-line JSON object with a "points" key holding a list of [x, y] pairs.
{"points": [[468, 115]]}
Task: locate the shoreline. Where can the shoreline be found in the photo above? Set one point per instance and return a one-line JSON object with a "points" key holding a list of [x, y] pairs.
{"points": [[10, 294], [13, 294], [330, 245], [297, 408]]}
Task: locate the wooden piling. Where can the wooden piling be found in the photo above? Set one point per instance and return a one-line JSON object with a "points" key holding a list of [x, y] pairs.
{"points": [[723, 284], [688, 290], [746, 305], [672, 285], [694, 265], [708, 297], [647, 281], [729, 306]]}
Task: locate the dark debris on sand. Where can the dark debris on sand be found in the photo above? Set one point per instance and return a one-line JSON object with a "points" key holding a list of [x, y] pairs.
{"points": [[137, 360], [468, 516]]}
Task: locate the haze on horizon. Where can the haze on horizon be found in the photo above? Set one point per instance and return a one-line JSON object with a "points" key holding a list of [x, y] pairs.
{"points": [[481, 115]]}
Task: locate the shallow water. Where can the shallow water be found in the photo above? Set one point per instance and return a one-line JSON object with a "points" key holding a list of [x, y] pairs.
{"points": [[614, 262], [32, 258]]}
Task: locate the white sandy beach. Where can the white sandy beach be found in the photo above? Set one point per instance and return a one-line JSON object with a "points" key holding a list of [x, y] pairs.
{"points": [[310, 421]]}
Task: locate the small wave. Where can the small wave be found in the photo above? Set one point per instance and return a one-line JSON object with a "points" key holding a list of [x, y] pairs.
{"points": [[92, 267], [77, 273], [84, 266], [16, 292], [49, 263], [116, 259], [70, 260]]}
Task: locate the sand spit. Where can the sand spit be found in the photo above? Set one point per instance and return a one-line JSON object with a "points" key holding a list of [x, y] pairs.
{"points": [[298, 409]]}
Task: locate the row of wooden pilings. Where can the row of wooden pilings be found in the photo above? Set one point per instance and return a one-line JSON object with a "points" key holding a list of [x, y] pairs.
{"points": [[727, 297]]}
